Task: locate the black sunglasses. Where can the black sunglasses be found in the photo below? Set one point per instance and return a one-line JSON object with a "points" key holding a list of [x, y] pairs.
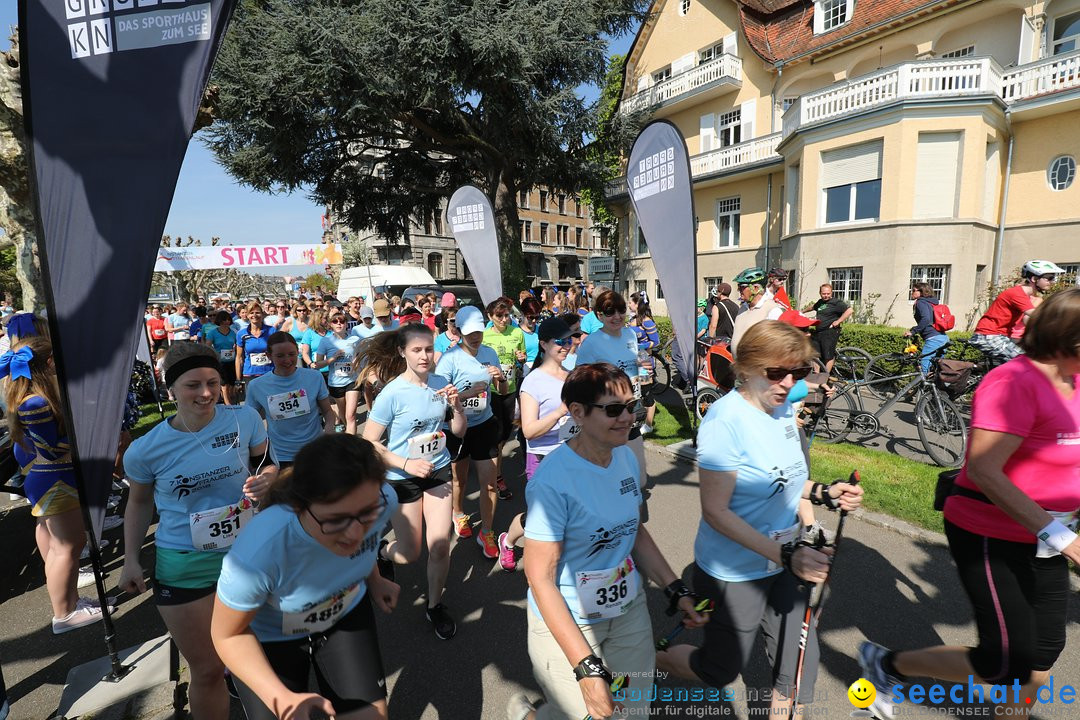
{"points": [[776, 374], [614, 410], [611, 311]]}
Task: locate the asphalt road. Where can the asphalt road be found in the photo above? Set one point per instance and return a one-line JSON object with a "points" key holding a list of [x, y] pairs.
{"points": [[894, 588]]}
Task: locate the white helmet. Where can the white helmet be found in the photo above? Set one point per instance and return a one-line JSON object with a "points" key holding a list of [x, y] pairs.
{"points": [[1041, 267]]}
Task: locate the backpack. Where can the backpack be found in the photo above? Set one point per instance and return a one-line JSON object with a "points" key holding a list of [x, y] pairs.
{"points": [[943, 318]]}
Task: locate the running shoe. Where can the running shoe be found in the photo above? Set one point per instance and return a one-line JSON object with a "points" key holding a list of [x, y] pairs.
{"points": [[646, 428], [85, 613], [445, 627], [506, 555], [486, 540], [519, 707], [111, 521], [871, 656], [462, 525], [85, 554], [386, 566], [86, 577], [504, 492]]}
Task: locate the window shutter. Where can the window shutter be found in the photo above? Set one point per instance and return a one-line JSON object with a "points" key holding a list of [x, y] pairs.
{"points": [[707, 132], [1027, 41], [730, 46], [686, 62], [748, 110], [936, 171], [643, 82], [852, 164], [990, 191], [819, 18]]}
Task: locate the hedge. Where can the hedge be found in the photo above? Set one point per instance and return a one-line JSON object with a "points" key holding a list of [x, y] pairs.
{"points": [[880, 339]]}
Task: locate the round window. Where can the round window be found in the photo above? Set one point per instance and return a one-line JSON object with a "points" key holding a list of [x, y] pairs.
{"points": [[1061, 172]]}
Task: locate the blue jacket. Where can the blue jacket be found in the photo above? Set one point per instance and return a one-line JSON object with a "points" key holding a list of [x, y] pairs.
{"points": [[924, 318]]}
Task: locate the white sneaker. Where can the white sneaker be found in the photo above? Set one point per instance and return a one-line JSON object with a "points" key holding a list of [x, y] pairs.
{"points": [[112, 521], [86, 577], [81, 616], [86, 550], [519, 707], [646, 428]]}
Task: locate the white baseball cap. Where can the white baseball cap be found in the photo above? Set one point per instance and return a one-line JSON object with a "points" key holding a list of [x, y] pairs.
{"points": [[470, 320]]}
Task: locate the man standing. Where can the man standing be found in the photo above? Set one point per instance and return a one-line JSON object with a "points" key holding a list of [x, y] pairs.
{"points": [[831, 313], [722, 315], [178, 324]]}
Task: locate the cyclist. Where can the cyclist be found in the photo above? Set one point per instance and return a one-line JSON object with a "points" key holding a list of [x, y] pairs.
{"points": [[747, 279], [722, 314], [296, 592], [1011, 308], [410, 410], [831, 313], [1010, 521], [923, 309]]}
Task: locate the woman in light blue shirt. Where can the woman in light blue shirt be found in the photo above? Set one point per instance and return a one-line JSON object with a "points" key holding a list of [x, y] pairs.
{"points": [[337, 352], [222, 338], [411, 411]]}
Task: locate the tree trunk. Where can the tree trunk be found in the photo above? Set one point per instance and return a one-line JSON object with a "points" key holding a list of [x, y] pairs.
{"points": [[503, 193], [16, 204]]}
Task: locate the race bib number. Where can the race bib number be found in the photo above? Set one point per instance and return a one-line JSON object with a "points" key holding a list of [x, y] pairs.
{"points": [[343, 369], [288, 405], [227, 355], [568, 429], [1069, 520], [635, 382], [320, 616], [217, 528], [259, 359], [608, 593], [475, 405], [427, 446], [782, 536], [181, 335], [158, 333], [507, 369]]}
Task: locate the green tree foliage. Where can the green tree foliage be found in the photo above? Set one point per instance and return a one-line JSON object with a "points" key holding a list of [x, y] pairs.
{"points": [[379, 108]]}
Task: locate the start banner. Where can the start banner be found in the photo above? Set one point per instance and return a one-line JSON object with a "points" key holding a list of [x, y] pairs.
{"points": [[238, 257]]}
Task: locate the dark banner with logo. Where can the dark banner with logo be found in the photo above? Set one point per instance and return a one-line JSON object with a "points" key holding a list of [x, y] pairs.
{"points": [[658, 178], [110, 94], [471, 219]]}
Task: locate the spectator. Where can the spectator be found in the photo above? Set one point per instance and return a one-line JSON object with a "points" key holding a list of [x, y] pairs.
{"points": [[831, 313]]}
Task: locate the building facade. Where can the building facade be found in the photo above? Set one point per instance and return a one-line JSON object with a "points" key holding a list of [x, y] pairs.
{"points": [[866, 143]]}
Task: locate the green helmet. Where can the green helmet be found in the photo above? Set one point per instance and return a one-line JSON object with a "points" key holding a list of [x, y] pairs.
{"points": [[702, 302], [749, 276]]}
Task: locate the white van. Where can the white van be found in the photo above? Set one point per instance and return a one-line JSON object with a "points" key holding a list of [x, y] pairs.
{"points": [[359, 281]]}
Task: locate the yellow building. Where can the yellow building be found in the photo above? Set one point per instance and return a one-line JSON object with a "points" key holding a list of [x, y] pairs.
{"points": [[866, 143]]}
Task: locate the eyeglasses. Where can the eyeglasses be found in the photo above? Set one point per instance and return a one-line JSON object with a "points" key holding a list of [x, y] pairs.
{"points": [[532, 318], [501, 315], [341, 524], [612, 311], [776, 374], [614, 410], [563, 342], [338, 321]]}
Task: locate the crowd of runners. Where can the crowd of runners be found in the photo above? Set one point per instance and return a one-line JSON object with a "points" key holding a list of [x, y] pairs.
{"points": [[274, 502]]}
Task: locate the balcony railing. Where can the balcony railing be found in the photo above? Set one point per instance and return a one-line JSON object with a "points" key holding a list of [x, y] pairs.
{"points": [[726, 68], [1060, 72]]}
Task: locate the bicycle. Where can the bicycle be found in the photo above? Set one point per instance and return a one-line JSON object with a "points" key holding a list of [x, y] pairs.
{"points": [[849, 365], [897, 366], [661, 368], [941, 426]]}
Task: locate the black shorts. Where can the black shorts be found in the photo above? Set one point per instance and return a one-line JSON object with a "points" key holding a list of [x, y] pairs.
{"points": [[348, 665], [169, 595], [824, 342], [1020, 604], [481, 442], [502, 406], [339, 392], [411, 489]]}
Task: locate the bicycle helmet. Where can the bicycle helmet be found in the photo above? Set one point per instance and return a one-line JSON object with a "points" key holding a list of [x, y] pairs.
{"points": [[1041, 267], [749, 276], [702, 302]]}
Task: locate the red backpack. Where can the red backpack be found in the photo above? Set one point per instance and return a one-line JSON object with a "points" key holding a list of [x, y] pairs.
{"points": [[944, 320]]}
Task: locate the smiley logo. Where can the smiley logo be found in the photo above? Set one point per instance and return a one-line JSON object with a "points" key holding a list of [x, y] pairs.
{"points": [[861, 693]]}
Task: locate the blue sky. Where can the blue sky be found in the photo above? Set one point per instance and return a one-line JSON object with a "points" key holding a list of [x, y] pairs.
{"points": [[208, 202]]}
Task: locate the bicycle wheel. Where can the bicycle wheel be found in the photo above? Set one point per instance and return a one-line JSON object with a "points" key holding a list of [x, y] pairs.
{"points": [[850, 363], [941, 429], [661, 375], [888, 373], [705, 398], [833, 421]]}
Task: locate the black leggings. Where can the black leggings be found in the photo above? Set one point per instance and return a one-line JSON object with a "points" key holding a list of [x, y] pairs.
{"points": [[1020, 604], [348, 666]]}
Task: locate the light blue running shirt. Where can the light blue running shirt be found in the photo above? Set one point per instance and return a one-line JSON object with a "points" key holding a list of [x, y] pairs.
{"points": [[464, 371], [408, 411], [343, 370], [314, 340], [765, 452], [621, 351], [363, 332], [296, 586], [194, 472], [594, 512], [590, 323], [291, 408], [224, 344]]}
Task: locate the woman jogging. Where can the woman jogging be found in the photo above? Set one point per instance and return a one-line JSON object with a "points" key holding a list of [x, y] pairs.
{"points": [[318, 329], [474, 368], [381, 363], [587, 559], [411, 411], [202, 470], [293, 400], [508, 342], [222, 338], [545, 419], [337, 351], [296, 592], [1011, 520], [297, 324], [448, 336], [752, 472], [252, 356]]}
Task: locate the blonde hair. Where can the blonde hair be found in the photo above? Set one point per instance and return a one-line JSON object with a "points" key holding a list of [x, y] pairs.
{"points": [[771, 343], [42, 382], [380, 357], [317, 321]]}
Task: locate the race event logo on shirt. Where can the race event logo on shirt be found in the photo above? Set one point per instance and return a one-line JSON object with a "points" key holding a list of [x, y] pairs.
{"points": [[185, 486], [230, 439], [628, 485], [602, 538]]}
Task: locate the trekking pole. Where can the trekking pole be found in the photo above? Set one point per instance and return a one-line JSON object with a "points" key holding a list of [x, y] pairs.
{"points": [[815, 600], [706, 606]]}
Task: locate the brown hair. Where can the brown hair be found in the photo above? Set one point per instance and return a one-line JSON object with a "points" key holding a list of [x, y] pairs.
{"points": [[325, 470], [42, 382], [318, 323], [279, 337], [586, 383], [498, 306], [924, 289], [771, 343], [380, 357], [1053, 330], [607, 300]]}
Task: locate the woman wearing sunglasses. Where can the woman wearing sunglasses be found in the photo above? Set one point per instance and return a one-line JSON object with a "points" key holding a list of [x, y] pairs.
{"points": [[449, 336], [337, 351], [617, 344], [318, 329], [753, 469], [545, 420], [588, 558], [297, 324], [297, 589]]}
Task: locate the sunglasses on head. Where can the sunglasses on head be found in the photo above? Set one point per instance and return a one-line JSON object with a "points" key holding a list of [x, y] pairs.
{"points": [[776, 374], [615, 310], [614, 410]]}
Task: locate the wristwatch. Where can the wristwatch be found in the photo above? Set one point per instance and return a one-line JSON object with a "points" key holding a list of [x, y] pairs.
{"points": [[592, 666]]}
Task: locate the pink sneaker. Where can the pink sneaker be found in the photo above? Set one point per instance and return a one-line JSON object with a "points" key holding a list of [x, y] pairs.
{"points": [[506, 555]]}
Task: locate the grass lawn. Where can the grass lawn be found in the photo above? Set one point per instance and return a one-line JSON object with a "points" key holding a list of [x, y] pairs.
{"points": [[150, 417], [670, 425]]}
